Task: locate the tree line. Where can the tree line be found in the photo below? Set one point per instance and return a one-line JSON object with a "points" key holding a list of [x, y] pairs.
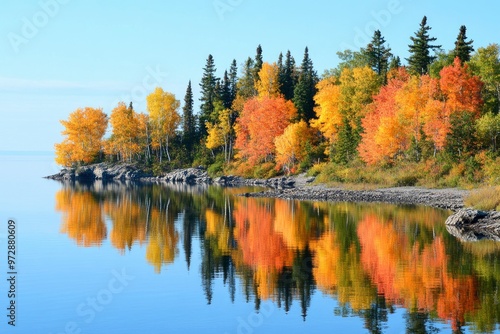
{"points": [[442, 106]]}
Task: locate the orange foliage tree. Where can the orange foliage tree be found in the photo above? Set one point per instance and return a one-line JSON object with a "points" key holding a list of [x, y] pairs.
{"points": [[382, 137], [84, 130], [260, 122]]}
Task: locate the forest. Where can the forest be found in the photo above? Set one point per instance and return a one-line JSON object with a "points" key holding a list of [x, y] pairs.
{"points": [[431, 119]]}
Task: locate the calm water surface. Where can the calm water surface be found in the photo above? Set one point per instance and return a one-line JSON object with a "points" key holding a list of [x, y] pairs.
{"points": [[116, 258]]}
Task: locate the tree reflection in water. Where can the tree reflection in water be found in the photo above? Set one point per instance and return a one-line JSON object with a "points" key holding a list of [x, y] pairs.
{"points": [[371, 258]]}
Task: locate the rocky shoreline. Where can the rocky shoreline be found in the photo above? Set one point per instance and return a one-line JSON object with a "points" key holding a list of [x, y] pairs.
{"points": [[466, 224]]}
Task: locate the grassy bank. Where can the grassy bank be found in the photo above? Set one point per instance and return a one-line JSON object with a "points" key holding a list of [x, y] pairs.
{"points": [[487, 198]]}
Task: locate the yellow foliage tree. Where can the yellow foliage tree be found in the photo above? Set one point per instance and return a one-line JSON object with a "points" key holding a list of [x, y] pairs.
{"points": [[291, 145], [221, 133], [268, 83], [84, 130], [327, 99], [124, 140], [164, 119]]}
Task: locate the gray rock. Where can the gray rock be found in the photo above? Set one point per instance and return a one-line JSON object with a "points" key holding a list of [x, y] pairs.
{"points": [[465, 217]]}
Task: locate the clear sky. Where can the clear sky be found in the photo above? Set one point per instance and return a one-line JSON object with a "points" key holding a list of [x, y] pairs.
{"points": [[59, 55]]}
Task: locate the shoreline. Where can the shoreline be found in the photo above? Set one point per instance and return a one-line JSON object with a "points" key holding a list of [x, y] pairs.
{"points": [[299, 187], [466, 223], [450, 198]]}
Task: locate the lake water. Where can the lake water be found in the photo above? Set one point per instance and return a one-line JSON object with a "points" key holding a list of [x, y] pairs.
{"points": [[111, 258]]}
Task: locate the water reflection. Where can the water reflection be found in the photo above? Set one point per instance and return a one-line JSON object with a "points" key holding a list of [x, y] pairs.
{"points": [[371, 258]]}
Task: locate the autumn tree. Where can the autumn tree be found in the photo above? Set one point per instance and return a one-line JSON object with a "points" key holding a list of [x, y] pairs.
{"points": [[486, 64], [124, 139], [420, 57], [488, 130], [341, 104], [268, 83], [164, 118], [329, 117], [463, 48], [83, 133], [144, 136], [461, 89], [291, 146], [260, 122], [221, 132], [208, 94], [305, 89], [385, 134]]}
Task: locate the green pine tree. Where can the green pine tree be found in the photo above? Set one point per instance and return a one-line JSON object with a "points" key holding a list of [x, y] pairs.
{"points": [[225, 92], [188, 119], [378, 54], [288, 77], [257, 66], [233, 79], [345, 147], [305, 89], [420, 58], [209, 93], [463, 48], [395, 63], [246, 86]]}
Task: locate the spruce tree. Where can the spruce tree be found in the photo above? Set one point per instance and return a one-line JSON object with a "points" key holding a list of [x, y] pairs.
{"points": [[378, 54], [463, 48], [420, 58], [288, 77], [246, 86], [188, 119], [233, 79], [257, 63], [209, 92], [305, 89], [395, 63], [225, 92]]}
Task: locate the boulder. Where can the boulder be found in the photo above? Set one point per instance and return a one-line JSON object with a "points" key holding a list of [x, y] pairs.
{"points": [[465, 217]]}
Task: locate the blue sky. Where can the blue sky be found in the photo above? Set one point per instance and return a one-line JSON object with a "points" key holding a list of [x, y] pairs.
{"points": [[59, 55]]}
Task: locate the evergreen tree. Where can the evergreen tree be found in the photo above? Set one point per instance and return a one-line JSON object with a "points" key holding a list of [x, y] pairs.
{"points": [[246, 87], [420, 58], [395, 63], [463, 48], [257, 64], [188, 119], [225, 91], [378, 54], [281, 71], [305, 89], [288, 78], [345, 147], [233, 79], [209, 92]]}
